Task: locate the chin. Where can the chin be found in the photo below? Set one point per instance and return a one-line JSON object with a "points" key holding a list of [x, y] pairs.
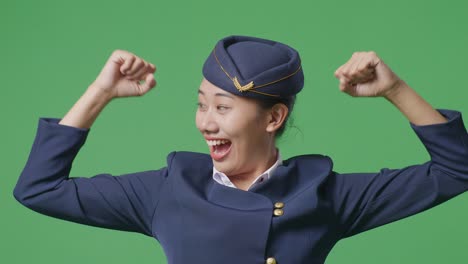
{"points": [[221, 166], [224, 167]]}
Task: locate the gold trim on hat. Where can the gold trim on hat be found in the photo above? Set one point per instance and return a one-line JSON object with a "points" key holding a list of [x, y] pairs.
{"points": [[251, 86], [241, 88]]}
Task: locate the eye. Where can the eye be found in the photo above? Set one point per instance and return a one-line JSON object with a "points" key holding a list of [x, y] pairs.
{"points": [[222, 108], [201, 106]]}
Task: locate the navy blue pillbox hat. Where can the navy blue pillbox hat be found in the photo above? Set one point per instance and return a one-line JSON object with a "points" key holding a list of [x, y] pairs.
{"points": [[254, 67]]}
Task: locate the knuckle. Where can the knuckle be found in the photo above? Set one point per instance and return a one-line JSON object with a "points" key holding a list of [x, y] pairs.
{"points": [[130, 60], [121, 52], [362, 67]]}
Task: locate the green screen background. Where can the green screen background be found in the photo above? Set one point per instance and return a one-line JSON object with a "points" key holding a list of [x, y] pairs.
{"points": [[52, 50]]}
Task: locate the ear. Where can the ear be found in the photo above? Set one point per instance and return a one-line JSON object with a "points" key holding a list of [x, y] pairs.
{"points": [[277, 116]]}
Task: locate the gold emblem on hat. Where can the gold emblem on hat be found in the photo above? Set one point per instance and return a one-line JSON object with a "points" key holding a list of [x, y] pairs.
{"points": [[242, 88]]}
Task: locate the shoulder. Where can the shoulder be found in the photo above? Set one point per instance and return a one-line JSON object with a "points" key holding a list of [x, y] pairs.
{"points": [[308, 170], [190, 171], [181, 159], [316, 161]]}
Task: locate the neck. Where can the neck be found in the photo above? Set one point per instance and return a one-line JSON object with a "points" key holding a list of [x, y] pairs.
{"points": [[244, 180]]}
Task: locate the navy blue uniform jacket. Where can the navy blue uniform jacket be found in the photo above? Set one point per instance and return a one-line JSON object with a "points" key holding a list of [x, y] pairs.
{"points": [[197, 220]]}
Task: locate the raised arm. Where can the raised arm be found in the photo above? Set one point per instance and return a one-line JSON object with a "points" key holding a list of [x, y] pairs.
{"points": [[121, 77], [124, 202], [363, 201], [366, 75]]}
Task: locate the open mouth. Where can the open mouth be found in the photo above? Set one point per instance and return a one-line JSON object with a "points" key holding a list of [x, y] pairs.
{"points": [[219, 148]]}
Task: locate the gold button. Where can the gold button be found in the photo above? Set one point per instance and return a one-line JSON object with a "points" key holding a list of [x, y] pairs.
{"points": [[278, 212], [271, 261], [279, 205]]}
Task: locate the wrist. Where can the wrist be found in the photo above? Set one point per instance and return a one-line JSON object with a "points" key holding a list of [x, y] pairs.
{"points": [[396, 92], [98, 95]]}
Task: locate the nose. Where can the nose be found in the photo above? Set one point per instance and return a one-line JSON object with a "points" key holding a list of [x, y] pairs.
{"points": [[207, 123]]}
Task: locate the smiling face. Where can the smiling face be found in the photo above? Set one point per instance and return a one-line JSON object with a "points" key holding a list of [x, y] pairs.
{"points": [[240, 134]]}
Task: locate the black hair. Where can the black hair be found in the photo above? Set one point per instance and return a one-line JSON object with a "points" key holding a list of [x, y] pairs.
{"points": [[269, 102]]}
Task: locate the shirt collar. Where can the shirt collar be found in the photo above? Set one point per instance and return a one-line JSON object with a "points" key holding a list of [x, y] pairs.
{"points": [[223, 179]]}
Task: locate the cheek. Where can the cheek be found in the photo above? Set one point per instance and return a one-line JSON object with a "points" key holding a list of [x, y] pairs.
{"points": [[233, 125], [256, 133], [198, 120], [245, 132]]}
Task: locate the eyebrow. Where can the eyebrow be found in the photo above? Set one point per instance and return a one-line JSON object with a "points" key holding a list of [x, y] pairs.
{"points": [[218, 94]]}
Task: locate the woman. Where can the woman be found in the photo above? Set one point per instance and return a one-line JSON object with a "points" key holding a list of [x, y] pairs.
{"points": [[243, 203]]}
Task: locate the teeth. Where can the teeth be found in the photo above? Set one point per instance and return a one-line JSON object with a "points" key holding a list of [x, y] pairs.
{"points": [[216, 142]]}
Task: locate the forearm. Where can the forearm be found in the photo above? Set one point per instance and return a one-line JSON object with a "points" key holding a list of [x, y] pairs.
{"points": [[413, 106], [85, 111]]}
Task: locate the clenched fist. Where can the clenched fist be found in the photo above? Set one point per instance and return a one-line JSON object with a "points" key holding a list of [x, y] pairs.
{"points": [[125, 74], [366, 75]]}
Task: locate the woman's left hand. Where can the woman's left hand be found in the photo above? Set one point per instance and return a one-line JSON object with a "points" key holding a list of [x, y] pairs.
{"points": [[366, 75]]}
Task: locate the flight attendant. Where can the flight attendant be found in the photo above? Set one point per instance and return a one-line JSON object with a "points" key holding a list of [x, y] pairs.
{"points": [[243, 203]]}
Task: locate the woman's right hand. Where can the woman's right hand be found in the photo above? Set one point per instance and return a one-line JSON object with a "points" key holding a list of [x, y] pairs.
{"points": [[124, 75], [121, 77]]}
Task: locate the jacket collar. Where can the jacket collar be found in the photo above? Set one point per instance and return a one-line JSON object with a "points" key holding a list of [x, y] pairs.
{"points": [[291, 177]]}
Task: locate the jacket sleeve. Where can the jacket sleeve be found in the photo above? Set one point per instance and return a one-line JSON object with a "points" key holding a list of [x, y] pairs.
{"points": [[363, 201], [125, 202]]}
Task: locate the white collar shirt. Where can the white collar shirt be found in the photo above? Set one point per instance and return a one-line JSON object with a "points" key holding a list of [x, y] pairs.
{"points": [[222, 179]]}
